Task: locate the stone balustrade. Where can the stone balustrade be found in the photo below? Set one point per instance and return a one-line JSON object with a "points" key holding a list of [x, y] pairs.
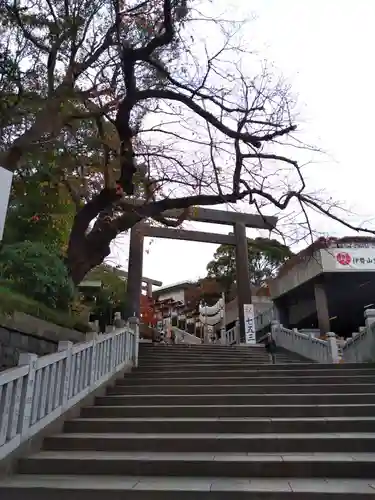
{"points": [[306, 345], [232, 336], [183, 337], [360, 347], [357, 349], [41, 389]]}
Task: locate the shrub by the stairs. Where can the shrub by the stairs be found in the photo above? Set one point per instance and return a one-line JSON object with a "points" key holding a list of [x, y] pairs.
{"points": [[36, 272]]}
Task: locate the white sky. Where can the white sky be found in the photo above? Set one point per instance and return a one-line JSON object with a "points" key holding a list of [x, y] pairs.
{"points": [[325, 48]]}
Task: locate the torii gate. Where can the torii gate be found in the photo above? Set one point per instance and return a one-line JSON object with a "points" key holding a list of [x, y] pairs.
{"points": [[239, 221]]}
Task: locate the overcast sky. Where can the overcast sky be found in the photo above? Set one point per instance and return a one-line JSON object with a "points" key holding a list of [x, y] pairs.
{"points": [[325, 48]]}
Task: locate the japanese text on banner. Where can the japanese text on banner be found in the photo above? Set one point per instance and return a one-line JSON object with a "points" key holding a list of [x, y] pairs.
{"points": [[250, 337]]}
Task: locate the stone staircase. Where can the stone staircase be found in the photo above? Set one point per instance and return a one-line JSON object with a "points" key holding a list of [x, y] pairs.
{"points": [[215, 422]]}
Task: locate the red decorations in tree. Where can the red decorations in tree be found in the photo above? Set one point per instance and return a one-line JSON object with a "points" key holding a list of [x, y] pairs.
{"points": [[119, 189]]}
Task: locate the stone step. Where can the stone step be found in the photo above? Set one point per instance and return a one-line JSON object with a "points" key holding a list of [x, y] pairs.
{"points": [[221, 425], [216, 355], [256, 371], [213, 361], [254, 378], [311, 365], [202, 352], [194, 355], [201, 349], [318, 465], [240, 363], [249, 360], [227, 410], [242, 389], [234, 359], [234, 399], [295, 368], [179, 367], [214, 443], [214, 422], [158, 368], [198, 347], [220, 357], [83, 487], [264, 363]]}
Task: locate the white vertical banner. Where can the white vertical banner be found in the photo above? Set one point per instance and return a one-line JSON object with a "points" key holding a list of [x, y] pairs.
{"points": [[5, 184], [248, 310]]}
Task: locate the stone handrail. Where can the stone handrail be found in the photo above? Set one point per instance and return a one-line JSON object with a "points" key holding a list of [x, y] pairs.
{"points": [[356, 348], [41, 389], [262, 338], [360, 348], [183, 337], [231, 336], [321, 351]]}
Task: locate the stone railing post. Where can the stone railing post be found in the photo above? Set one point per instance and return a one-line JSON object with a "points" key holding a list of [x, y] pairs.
{"points": [[369, 345], [27, 358], [66, 345], [294, 339], [92, 369], [134, 326], [223, 336], [369, 318], [333, 347], [275, 328], [206, 336], [118, 322], [237, 332]]}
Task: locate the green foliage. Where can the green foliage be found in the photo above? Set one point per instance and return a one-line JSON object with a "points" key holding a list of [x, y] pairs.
{"points": [[265, 257], [113, 289], [39, 210], [37, 272], [11, 301]]}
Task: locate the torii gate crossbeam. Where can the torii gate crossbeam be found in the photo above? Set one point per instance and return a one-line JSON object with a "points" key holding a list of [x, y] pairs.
{"points": [[238, 220]]}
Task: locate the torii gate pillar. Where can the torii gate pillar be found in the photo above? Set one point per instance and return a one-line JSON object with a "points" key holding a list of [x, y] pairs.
{"points": [[135, 264], [242, 274]]}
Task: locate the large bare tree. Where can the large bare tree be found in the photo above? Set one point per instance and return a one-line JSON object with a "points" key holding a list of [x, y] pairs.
{"points": [[133, 100]]}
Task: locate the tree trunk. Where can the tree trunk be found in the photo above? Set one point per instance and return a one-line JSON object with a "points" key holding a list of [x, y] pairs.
{"points": [[87, 250], [82, 258]]}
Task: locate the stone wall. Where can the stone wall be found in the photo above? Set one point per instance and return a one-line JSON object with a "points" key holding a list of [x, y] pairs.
{"points": [[24, 333], [13, 342]]}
